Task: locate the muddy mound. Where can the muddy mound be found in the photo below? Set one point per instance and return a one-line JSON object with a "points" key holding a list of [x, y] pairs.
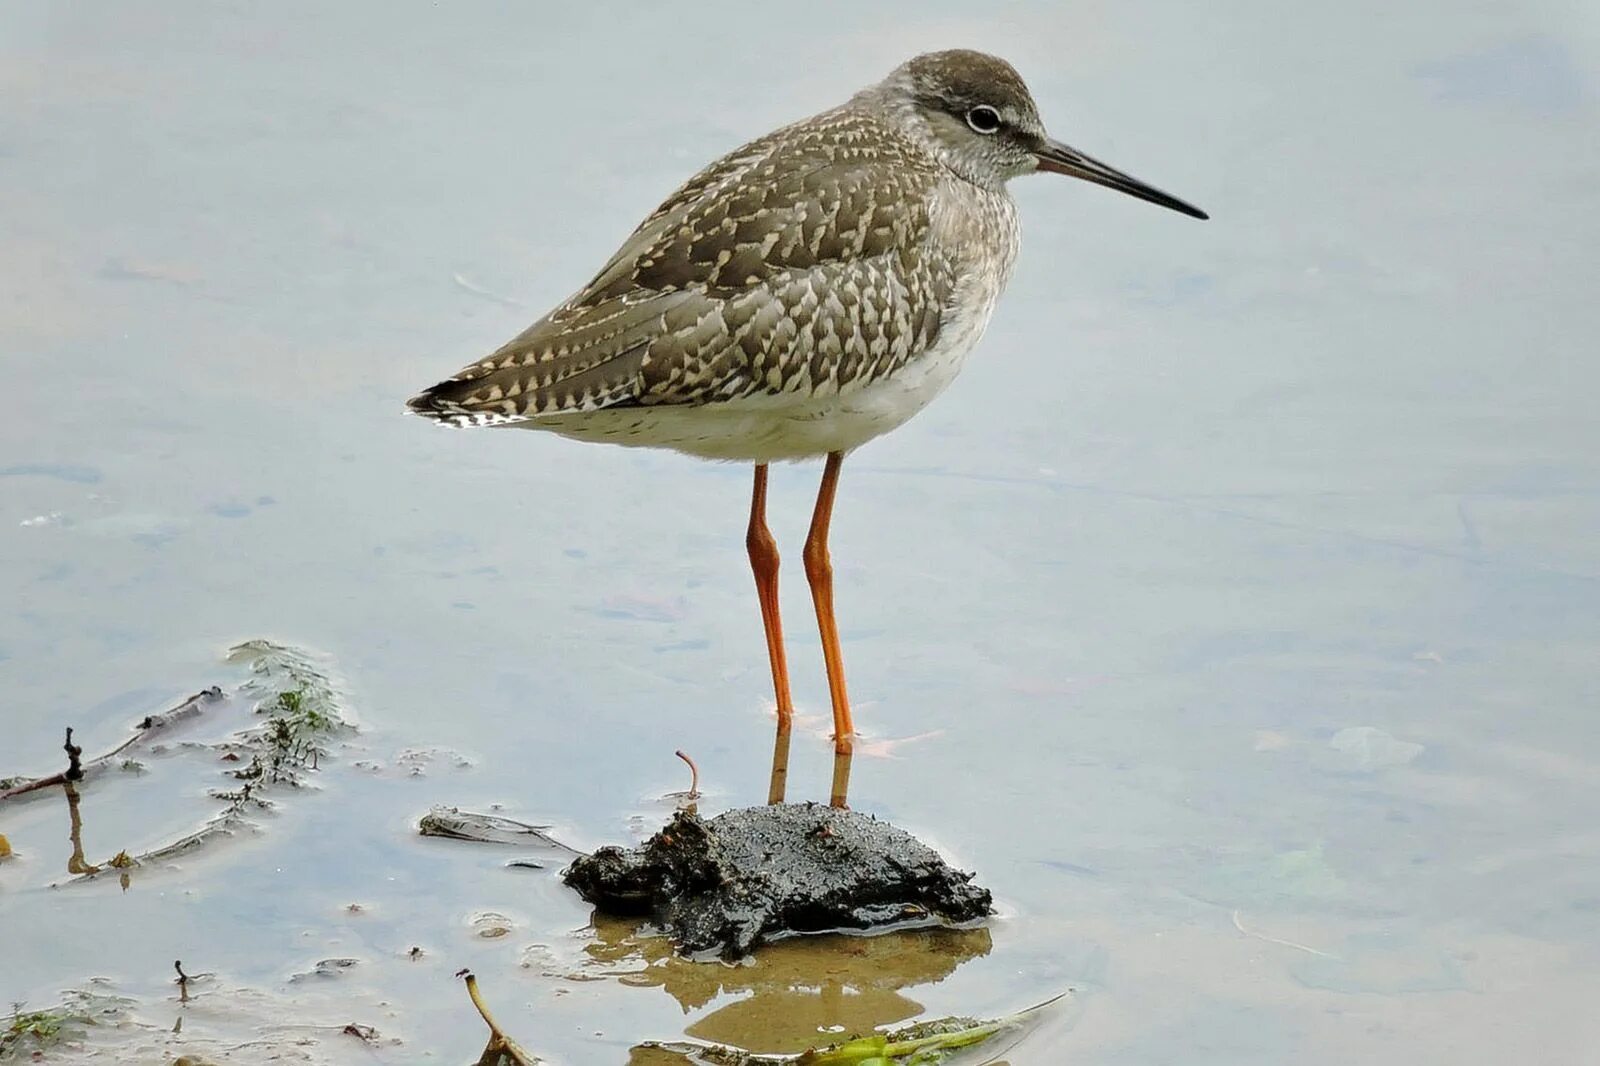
{"points": [[727, 884]]}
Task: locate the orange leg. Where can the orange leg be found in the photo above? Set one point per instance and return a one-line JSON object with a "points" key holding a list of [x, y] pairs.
{"points": [[819, 571], [764, 563]]}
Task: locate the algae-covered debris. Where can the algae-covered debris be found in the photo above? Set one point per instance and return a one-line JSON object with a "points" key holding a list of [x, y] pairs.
{"points": [[298, 711], [301, 707], [29, 1031], [27, 1034], [944, 1041], [728, 884]]}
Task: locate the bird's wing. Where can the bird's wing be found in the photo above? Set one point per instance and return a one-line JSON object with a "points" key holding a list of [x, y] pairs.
{"points": [[790, 265]]}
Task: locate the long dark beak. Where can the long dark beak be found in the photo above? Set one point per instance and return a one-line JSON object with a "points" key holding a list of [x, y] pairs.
{"points": [[1058, 158]]}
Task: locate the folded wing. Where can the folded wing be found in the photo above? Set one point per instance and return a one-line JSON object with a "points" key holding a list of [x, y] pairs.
{"points": [[790, 266]]}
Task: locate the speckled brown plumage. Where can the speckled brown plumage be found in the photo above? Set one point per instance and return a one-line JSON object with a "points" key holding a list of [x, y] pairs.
{"points": [[804, 264], [803, 294], [796, 264]]}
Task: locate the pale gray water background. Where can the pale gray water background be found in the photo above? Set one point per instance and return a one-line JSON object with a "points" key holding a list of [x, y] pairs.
{"points": [[1208, 495]]}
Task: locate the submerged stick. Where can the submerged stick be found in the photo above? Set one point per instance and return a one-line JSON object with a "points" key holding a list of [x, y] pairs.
{"points": [[224, 824], [453, 823], [78, 770]]}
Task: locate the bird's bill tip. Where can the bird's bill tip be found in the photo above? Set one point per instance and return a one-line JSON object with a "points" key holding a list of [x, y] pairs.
{"points": [[1057, 158]]}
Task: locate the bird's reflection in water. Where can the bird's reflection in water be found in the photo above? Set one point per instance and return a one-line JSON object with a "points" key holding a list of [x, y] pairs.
{"points": [[794, 994]]}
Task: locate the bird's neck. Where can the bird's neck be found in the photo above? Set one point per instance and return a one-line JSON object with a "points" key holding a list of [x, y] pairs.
{"points": [[892, 103]]}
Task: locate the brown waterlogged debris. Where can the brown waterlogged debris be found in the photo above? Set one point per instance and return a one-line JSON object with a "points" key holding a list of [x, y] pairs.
{"points": [[501, 1050], [77, 770], [730, 883]]}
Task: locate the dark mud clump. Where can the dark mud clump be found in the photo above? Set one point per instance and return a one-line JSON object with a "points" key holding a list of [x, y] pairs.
{"points": [[762, 873]]}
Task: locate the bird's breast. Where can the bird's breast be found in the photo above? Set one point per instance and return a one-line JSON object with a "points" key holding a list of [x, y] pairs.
{"points": [[978, 229], [976, 233]]}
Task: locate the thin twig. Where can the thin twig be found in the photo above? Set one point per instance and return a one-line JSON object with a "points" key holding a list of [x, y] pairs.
{"points": [[694, 775], [501, 1049], [74, 767]]}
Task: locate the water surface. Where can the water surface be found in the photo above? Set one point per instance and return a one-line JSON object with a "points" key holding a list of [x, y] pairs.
{"points": [[1235, 614]]}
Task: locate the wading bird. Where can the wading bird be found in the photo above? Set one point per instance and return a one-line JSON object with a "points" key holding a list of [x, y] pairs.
{"points": [[798, 297]]}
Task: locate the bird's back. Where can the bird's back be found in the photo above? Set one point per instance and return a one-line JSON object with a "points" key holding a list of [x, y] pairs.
{"points": [[805, 265]]}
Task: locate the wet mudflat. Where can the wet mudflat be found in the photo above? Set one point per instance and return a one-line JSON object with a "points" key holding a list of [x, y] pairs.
{"points": [[1260, 555]]}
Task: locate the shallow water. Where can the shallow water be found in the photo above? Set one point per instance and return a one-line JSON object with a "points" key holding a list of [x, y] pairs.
{"points": [[1236, 612]]}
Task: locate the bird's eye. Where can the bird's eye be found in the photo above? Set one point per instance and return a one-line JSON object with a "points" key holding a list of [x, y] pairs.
{"points": [[983, 119]]}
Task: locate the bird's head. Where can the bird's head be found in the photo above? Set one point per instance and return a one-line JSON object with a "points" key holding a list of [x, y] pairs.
{"points": [[976, 114]]}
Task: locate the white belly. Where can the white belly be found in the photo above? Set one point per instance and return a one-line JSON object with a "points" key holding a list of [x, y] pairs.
{"points": [[764, 429]]}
